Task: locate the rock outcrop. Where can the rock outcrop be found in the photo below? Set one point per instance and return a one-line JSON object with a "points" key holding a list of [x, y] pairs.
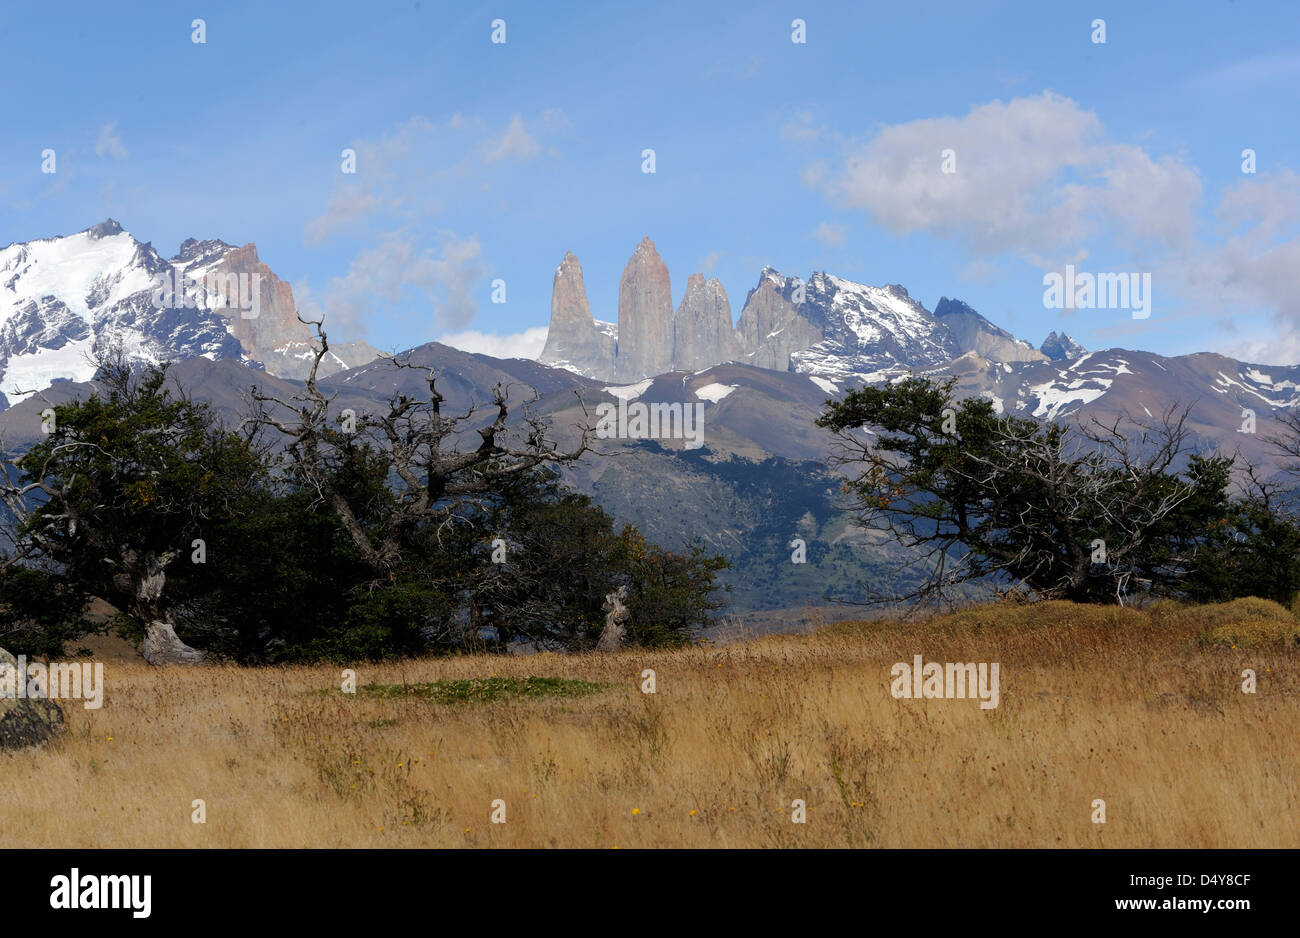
{"points": [[1061, 348], [973, 333], [274, 336], [771, 327], [25, 721], [645, 316], [827, 326], [702, 331], [574, 340]]}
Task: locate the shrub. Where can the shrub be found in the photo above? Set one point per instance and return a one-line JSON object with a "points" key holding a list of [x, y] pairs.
{"points": [[1245, 623], [39, 612]]}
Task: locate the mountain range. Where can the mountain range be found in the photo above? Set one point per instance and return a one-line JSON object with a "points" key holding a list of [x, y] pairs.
{"points": [[63, 298], [761, 478], [826, 326], [840, 334]]}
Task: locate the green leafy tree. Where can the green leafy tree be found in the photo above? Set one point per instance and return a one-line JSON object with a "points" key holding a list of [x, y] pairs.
{"points": [[563, 558], [1092, 513], [39, 612], [1251, 549], [343, 546], [672, 594], [123, 486]]}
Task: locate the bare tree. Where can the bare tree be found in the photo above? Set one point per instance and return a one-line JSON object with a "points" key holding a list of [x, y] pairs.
{"points": [[431, 475]]}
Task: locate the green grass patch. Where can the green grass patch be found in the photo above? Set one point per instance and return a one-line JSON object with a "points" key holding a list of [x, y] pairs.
{"points": [[485, 689]]}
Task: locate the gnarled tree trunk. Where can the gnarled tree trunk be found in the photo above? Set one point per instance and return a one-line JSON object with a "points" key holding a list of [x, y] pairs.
{"points": [[161, 644], [611, 636]]}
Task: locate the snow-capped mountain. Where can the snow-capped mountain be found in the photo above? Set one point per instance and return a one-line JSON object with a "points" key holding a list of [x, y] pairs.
{"points": [[839, 334], [746, 507], [64, 299], [874, 333], [1231, 401], [868, 332]]}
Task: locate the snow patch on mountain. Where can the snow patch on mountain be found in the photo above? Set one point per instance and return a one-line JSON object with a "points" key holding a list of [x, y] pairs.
{"points": [[629, 392], [714, 392], [1257, 384], [1052, 398]]}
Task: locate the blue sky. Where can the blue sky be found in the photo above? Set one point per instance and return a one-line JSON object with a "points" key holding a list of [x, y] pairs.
{"points": [[478, 161]]}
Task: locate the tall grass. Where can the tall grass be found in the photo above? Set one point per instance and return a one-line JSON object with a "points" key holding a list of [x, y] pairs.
{"points": [[1133, 707]]}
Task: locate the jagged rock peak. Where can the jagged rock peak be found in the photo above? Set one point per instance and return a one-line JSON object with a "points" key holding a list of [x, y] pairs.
{"points": [[573, 340], [947, 307], [193, 247], [569, 304], [771, 327], [1061, 347], [569, 262], [972, 332], [702, 330], [105, 229], [645, 316]]}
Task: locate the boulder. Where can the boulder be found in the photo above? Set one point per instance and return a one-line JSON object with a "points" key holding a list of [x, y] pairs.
{"points": [[26, 721]]}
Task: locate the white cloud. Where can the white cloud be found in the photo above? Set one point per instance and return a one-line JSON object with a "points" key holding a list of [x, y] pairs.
{"points": [[1031, 174], [1281, 348], [1261, 205], [815, 173], [1238, 276], [1039, 180], [390, 273], [554, 118], [1149, 200], [801, 130], [829, 234], [526, 344], [110, 143], [407, 174], [1253, 265], [346, 207], [1248, 73], [401, 183], [515, 142]]}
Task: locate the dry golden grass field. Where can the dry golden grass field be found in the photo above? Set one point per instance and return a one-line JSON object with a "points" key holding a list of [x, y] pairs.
{"points": [[1137, 708]]}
